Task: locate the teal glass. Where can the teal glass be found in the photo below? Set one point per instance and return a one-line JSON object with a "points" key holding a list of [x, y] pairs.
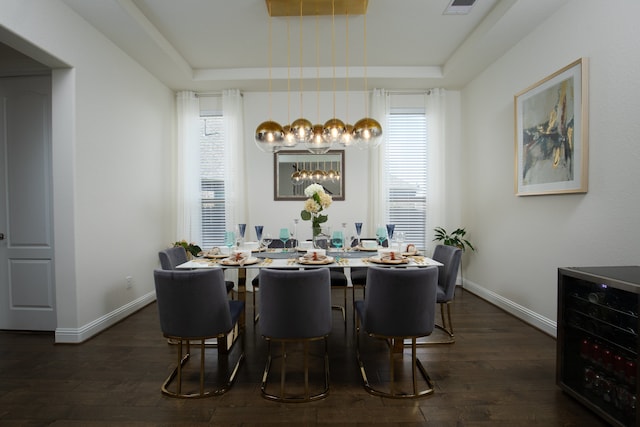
{"points": [[381, 234], [229, 239], [284, 236], [337, 239]]}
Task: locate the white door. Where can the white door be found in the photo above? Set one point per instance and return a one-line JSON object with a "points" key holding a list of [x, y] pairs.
{"points": [[27, 291]]}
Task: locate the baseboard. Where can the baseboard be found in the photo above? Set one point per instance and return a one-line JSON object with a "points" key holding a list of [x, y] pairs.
{"points": [[534, 319], [78, 335]]}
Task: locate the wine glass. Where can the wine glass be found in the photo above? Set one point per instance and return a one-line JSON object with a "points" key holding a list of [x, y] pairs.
{"points": [[229, 240], [259, 229], [241, 229], [390, 229], [381, 234], [337, 239], [267, 239], [400, 236], [294, 234], [358, 231], [284, 236]]}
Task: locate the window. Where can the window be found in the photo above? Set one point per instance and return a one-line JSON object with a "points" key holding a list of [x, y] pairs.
{"points": [[406, 168], [212, 172]]}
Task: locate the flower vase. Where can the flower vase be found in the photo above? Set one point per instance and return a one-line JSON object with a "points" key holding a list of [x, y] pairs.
{"points": [[320, 238]]}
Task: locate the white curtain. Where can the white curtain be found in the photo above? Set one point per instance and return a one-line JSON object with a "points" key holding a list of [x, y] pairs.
{"points": [[435, 109], [235, 190], [378, 187], [234, 180], [189, 221]]}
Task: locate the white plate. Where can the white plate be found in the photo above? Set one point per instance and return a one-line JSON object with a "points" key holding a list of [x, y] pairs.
{"points": [[377, 260], [305, 261], [248, 261]]}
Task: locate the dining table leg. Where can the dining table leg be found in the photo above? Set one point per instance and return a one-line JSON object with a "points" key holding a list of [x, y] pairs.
{"points": [[225, 343]]}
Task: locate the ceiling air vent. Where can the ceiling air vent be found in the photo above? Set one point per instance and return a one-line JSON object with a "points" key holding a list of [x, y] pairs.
{"points": [[459, 7]]}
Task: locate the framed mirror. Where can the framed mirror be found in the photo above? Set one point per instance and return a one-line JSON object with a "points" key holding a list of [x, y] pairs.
{"points": [[293, 171]]}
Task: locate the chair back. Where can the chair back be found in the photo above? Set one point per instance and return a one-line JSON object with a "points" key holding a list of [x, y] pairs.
{"points": [[193, 303], [400, 301], [450, 256], [170, 258], [295, 303]]}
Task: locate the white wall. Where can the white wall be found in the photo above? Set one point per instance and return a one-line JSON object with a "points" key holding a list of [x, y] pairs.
{"points": [[113, 126], [523, 240]]}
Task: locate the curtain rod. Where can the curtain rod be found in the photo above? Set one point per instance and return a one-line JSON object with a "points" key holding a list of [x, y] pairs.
{"points": [[211, 94], [409, 92]]}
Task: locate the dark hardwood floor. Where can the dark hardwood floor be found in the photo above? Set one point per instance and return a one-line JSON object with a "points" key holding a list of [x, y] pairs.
{"points": [[500, 372]]}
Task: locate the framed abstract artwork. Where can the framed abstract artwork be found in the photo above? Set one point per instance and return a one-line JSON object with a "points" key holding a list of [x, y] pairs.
{"points": [[551, 133]]}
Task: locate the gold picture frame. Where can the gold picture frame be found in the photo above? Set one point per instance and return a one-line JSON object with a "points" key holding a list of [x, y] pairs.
{"points": [[551, 133]]}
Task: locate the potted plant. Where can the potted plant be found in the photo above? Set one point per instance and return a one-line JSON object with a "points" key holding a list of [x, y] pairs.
{"points": [[192, 249], [455, 238]]}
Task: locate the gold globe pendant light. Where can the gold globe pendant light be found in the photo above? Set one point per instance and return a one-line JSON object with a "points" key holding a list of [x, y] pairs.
{"points": [[301, 128], [333, 128], [317, 144], [289, 135], [269, 135], [347, 136], [367, 131]]}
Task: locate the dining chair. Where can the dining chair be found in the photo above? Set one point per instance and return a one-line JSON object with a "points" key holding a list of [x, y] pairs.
{"points": [[192, 306], [295, 308], [399, 304], [359, 274], [450, 257], [171, 258], [255, 282]]}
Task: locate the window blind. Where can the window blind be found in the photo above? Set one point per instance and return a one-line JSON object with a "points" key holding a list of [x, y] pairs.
{"points": [[405, 162], [212, 172]]}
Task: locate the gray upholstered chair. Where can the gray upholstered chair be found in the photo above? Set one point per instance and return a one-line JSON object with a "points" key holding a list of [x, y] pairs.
{"points": [[193, 306], [170, 258], [400, 304], [255, 282], [450, 257], [359, 274], [295, 307]]}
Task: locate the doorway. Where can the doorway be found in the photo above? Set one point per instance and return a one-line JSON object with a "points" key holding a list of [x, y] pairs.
{"points": [[27, 276]]}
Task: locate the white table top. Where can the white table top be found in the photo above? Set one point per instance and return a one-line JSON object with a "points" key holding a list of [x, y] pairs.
{"points": [[292, 260]]}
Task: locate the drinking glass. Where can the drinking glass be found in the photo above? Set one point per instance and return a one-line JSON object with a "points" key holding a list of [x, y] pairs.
{"points": [[284, 236], [390, 229], [259, 229], [358, 231], [400, 236], [294, 233], [267, 239], [241, 230], [381, 234], [337, 239], [229, 239]]}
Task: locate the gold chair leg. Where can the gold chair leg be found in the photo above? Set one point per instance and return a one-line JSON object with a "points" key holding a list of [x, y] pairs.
{"points": [[415, 366], [307, 396], [182, 360], [446, 327]]}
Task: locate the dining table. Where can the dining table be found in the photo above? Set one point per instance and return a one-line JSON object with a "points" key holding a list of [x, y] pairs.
{"points": [[293, 258]]}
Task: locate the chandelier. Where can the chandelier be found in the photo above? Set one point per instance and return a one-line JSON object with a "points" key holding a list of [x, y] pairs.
{"points": [[271, 136]]}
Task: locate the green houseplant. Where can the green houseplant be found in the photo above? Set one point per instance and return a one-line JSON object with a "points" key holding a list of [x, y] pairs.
{"points": [[191, 248], [455, 238]]}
